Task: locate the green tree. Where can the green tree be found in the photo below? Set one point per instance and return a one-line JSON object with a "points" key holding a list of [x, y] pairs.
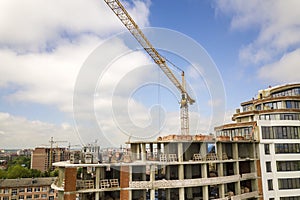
{"points": [[2, 174], [17, 171], [35, 173], [20, 160]]}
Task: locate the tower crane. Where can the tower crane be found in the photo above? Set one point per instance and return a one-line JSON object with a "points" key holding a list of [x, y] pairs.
{"points": [[51, 141], [133, 28]]}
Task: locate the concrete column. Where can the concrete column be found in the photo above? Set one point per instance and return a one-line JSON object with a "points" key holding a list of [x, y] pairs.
{"points": [[138, 153], [204, 175], [180, 152], [168, 191], [181, 177], [97, 183], [221, 187], [152, 179], [235, 151], [151, 150], [189, 175], [143, 151], [235, 154]]}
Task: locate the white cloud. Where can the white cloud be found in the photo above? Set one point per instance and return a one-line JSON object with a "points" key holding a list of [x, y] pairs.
{"points": [[278, 28], [277, 21], [19, 132], [43, 45], [286, 69], [34, 25]]}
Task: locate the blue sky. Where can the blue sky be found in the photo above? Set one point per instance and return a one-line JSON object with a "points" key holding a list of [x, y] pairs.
{"points": [[43, 46]]}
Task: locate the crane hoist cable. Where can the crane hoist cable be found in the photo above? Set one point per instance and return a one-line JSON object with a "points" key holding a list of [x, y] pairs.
{"points": [[137, 33]]}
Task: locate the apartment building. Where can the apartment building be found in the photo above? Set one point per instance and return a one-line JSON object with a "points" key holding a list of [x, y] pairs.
{"points": [[273, 119], [27, 188], [42, 158]]}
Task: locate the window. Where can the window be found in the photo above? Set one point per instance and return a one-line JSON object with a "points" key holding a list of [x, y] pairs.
{"points": [[51, 197], [29, 189], [37, 189], [21, 197], [280, 132], [29, 197], [44, 196], [288, 166], [21, 189], [268, 167], [290, 198], [287, 148], [290, 183], [45, 189], [270, 184], [6, 191], [6, 198], [14, 192], [267, 149], [36, 196]]}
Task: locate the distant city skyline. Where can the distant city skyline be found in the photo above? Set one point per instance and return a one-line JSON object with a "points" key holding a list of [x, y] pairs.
{"points": [[43, 45]]}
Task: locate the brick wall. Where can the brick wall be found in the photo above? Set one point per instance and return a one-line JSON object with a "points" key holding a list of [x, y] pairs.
{"points": [[124, 182], [70, 183]]}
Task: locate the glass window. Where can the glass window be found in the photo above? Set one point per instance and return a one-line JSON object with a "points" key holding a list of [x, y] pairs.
{"points": [[29, 189], [267, 149], [21, 197], [36, 196], [268, 167], [44, 196], [14, 192], [270, 184], [21, 189]]}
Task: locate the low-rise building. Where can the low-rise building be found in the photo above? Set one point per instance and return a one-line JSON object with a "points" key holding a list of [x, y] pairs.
{"points": [[27, 188]]}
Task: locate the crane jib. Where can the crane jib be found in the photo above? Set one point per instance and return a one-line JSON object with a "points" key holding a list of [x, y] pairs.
{"points": [[133, 28]]}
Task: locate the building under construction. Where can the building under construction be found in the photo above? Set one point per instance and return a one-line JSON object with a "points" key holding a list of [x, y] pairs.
{"points": [[171, 167]]}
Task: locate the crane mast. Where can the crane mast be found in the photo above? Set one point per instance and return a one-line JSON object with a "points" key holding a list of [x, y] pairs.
{"points": [[133, 28]]}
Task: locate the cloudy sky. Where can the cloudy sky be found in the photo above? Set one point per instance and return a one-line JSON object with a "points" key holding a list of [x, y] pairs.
{"points": [[45, 45]]}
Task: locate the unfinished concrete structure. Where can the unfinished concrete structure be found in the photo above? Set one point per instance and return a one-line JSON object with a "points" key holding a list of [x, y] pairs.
{"points": [[172, 167]]}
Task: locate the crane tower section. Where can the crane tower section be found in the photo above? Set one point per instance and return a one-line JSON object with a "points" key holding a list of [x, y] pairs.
{"points": [[133, 28]]}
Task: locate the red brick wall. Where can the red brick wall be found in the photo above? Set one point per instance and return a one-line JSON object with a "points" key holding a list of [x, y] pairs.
{"points": [[124, 182], [70, 183]]}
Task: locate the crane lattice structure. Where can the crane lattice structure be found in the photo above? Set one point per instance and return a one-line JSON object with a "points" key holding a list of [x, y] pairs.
{"points": [[51, 141], [133, 28]]}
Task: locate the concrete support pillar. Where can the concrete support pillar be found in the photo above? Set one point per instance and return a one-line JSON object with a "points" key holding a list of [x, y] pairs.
{"points": [[152, 179], [220, 174], [219, 150], [189, 175], [235, 154], [168, 191], [138, 153], [204, 175], [181, 177], [151, 150], [180, 152], [143, 152], [97, 183]]}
